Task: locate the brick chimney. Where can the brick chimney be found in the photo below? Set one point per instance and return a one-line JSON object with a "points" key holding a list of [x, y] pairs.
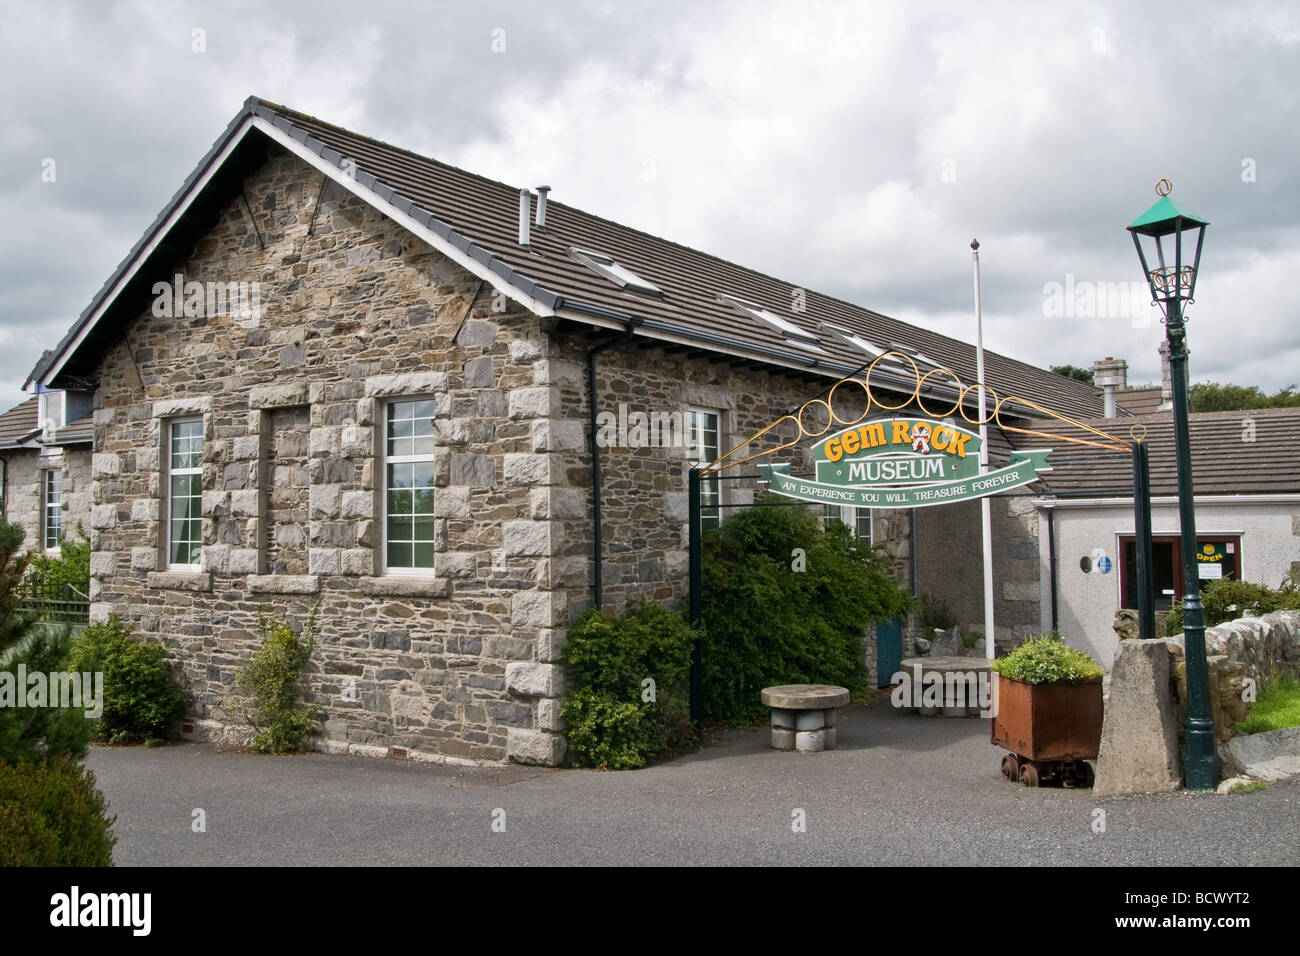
{"points": [[1110, 375]]}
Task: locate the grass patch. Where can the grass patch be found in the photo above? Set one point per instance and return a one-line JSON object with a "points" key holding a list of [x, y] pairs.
{"points": [[1252, 787], [1278, 706]]}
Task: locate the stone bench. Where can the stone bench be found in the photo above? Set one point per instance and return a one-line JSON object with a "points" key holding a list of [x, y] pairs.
{"points": [[804, 715], [952, 670]]}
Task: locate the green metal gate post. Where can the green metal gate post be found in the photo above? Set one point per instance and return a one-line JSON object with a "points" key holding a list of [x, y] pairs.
{"points": [[697, 603], [1142, 542]]}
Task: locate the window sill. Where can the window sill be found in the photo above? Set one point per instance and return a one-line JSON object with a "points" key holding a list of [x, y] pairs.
{"points": [[400, 585], [283, 584], [180, 580]]}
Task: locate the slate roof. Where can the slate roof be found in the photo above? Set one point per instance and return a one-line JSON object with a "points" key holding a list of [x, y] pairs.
{"points": [[1223, 462], [480, 218], [1138, 401], [81, 431], [20, 423]]}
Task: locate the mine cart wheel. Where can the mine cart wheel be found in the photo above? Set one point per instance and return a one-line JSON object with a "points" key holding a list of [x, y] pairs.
{"points": [[1011, 767], [1029, 774]]}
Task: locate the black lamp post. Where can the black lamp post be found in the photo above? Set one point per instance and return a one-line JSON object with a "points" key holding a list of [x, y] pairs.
{"points": [[1158, 235]]}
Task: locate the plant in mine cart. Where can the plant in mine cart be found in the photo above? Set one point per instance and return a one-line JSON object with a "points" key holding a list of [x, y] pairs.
{"points": [[1047, 710]]}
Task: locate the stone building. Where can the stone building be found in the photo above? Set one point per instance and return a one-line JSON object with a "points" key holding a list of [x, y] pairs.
{"points": [[334, 372], [45, 483]]}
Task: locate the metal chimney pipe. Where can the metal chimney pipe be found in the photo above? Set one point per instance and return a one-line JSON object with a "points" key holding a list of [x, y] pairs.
{"points": [[1110, 375], [524, 203], [541, 206]]}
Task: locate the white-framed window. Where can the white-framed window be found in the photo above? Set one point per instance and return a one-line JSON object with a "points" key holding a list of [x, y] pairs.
{"points": [[408, 486], [704, 435], [857, 519], [52, 508], [184, 494]]}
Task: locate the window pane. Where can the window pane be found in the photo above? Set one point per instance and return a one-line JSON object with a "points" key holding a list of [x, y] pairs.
{"points": [[400, 475], [409, 500]]}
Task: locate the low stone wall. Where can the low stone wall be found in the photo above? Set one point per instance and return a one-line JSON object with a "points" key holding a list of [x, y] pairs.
{"points": [[1250, 648]]}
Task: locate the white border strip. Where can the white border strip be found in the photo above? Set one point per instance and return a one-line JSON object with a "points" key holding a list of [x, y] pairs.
{"points": [[1168, 500]]}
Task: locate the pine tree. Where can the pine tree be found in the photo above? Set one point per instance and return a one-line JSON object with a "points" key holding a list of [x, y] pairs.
{"points": [[31, 733]]}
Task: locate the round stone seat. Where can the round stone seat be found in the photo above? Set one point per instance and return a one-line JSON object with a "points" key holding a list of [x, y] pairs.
{"points": [[804, 716]]}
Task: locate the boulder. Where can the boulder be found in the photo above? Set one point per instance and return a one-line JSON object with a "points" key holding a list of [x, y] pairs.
{"points": [[948, 643], [1139, 736]]}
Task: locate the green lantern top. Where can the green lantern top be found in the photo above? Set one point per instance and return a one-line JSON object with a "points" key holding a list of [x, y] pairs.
{"points": [[1160, 219]]}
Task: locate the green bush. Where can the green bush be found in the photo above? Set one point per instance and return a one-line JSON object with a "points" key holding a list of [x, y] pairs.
{"points": [[51, 814], [31, 733], [1046, 660], [1227, 599], [765, 622], [71, 568], [142, 703], [614, 720], [269, 679]]}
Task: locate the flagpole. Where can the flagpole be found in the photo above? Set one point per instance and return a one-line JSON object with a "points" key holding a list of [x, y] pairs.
{"points": [[986, 517]]}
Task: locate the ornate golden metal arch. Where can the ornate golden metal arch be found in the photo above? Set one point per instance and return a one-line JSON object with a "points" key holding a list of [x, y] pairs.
{"points": [[1106, 441]]}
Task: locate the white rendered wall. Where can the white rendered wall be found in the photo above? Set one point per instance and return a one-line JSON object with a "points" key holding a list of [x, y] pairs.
{"points": [[1269, 526]]}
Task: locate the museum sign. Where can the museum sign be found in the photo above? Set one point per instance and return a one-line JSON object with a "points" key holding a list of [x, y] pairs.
{"points": [[902, 463]]}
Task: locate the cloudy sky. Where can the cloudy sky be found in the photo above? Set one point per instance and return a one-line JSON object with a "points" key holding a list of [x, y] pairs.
{"points": [[852, 148]]}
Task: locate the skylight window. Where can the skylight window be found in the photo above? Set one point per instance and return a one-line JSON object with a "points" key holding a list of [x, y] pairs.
{"points": [[919, 357], [794, 335], [621, 276], [852, 338]]}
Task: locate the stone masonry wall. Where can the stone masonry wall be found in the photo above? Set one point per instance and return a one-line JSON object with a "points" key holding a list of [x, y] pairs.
{"points": [[950, 565], [645, 487], [353, 311], [25, 489]]}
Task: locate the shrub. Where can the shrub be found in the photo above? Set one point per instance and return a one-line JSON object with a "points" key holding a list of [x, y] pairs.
{"points": [[1045, 660], [936, 615], [614, 719], [51, 814], [71, 568], [31, 733], [269, 679], [142, 703], [766, 623], [1227, 599]]}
